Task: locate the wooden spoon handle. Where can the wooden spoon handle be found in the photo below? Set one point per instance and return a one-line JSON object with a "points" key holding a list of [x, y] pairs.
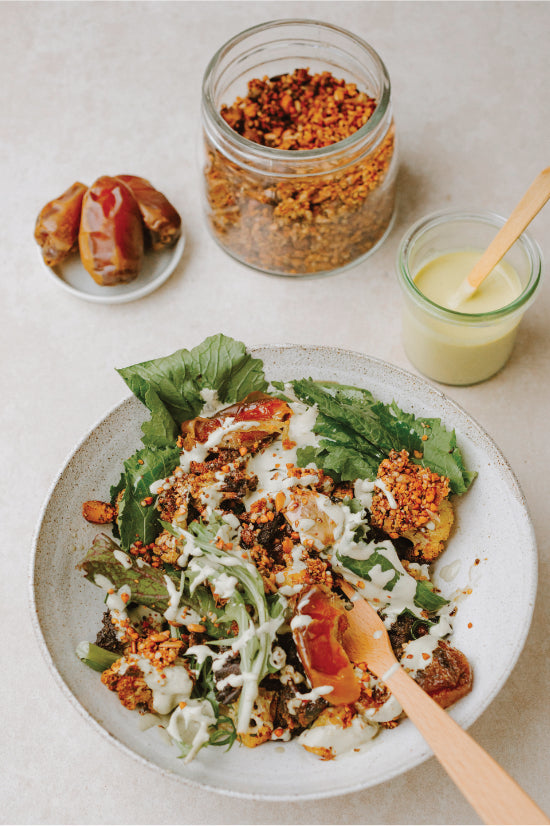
{"points": [[531, 203], [488, 788]]}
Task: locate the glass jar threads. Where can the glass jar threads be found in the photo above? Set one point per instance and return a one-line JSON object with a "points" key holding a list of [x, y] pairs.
{"points": [[300, 163]]}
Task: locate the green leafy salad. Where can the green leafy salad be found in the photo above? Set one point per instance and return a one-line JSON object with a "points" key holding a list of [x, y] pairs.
{"points": [[228, 533]]}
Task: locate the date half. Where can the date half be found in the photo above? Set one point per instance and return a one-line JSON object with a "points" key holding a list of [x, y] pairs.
{"points": [[111, 233]]}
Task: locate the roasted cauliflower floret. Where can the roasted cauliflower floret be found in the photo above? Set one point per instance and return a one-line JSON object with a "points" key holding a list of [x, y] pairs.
{"points": [[411, 501], [261, 723], [337, 730], [159, 652], [166, 546], [130, 686], [339, 716]]}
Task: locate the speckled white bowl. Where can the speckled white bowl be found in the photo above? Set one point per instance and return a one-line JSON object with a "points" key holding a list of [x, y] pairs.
{"points": [[492, 525]]}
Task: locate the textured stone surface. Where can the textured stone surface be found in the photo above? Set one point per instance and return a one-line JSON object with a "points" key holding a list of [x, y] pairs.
{"points": [[102, 88]]}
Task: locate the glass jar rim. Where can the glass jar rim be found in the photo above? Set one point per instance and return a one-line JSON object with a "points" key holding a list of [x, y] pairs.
{"points": [[268, 152], [435, 219]]}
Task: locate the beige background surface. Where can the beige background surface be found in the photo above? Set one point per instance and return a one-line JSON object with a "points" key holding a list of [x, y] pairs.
{"points": [[95, 88]]}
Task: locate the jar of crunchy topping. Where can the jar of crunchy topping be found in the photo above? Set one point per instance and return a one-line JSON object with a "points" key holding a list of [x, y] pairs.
{"points": [[300, 162]]}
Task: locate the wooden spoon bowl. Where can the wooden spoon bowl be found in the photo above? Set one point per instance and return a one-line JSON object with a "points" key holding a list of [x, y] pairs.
{"points": [[488, 788]]}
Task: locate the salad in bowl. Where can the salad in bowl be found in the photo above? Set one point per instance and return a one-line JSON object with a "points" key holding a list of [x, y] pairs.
{"points": [[222, 546]]}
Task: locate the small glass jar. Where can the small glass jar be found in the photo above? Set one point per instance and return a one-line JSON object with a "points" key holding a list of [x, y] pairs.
{"points": [[306, 211], [454, 347]]}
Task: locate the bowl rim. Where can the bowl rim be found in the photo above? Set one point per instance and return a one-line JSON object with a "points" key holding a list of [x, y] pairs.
{"points": [[425, 752]]}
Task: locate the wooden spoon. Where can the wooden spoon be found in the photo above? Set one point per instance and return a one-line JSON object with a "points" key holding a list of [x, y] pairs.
{"points": [[492, 793], [531, 203]]}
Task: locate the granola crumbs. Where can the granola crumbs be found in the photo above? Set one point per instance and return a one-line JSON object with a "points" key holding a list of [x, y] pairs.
{"points": [[299, 110], [417, 493], [126, 678], [301, 224]]}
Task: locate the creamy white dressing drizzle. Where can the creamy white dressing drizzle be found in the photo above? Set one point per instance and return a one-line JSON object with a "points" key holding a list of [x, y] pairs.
{"points": [[336, 536], [220, 660], [138, 613], [225, 585], [123, 558], [102, 582], [201, 450], [363, 490], [418, 654], [421, 570], [190, 725], [290, 675], [391, 603], [201, 653], [390, 710], [285, 735], [277, 658], [169, 686], [210, 498], [269, 464], [236, 680], [203, 571], [189, 550], [448, 572], [211, 401], [295, 703], [179, 613], [231, 520], [116, 602], [340, 740], [382, 486], [300, 621]]}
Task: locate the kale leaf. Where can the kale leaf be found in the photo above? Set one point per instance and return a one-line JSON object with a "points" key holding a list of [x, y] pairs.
{"points": [[136, 519], [425, 597], [170, 386], [358, 432]]}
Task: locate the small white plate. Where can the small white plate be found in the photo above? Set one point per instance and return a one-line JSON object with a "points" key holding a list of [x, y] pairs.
{"points": [[157, 267], [492, 552]]}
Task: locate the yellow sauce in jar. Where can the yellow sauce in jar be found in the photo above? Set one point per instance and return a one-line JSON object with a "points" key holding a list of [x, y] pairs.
{"points": [[440, 279], [454, 350]]}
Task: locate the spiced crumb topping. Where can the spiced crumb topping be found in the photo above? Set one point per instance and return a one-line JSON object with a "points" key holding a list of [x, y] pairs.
{"points": [[299, 110], [416, 491]]}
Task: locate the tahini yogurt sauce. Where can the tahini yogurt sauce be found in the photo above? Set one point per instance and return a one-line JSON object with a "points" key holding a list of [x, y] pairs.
{"points": [[466, 348]]}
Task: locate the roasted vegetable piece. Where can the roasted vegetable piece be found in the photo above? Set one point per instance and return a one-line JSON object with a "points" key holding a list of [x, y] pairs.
{"points": [[111, 233], [306, 506], [98, 513], [271, 414], [448, 677], [159, 216], [317, 627], [56, 229]]}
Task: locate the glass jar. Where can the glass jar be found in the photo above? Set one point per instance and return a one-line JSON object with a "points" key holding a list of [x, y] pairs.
{"points": [[305, 211], [454, 347]]}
